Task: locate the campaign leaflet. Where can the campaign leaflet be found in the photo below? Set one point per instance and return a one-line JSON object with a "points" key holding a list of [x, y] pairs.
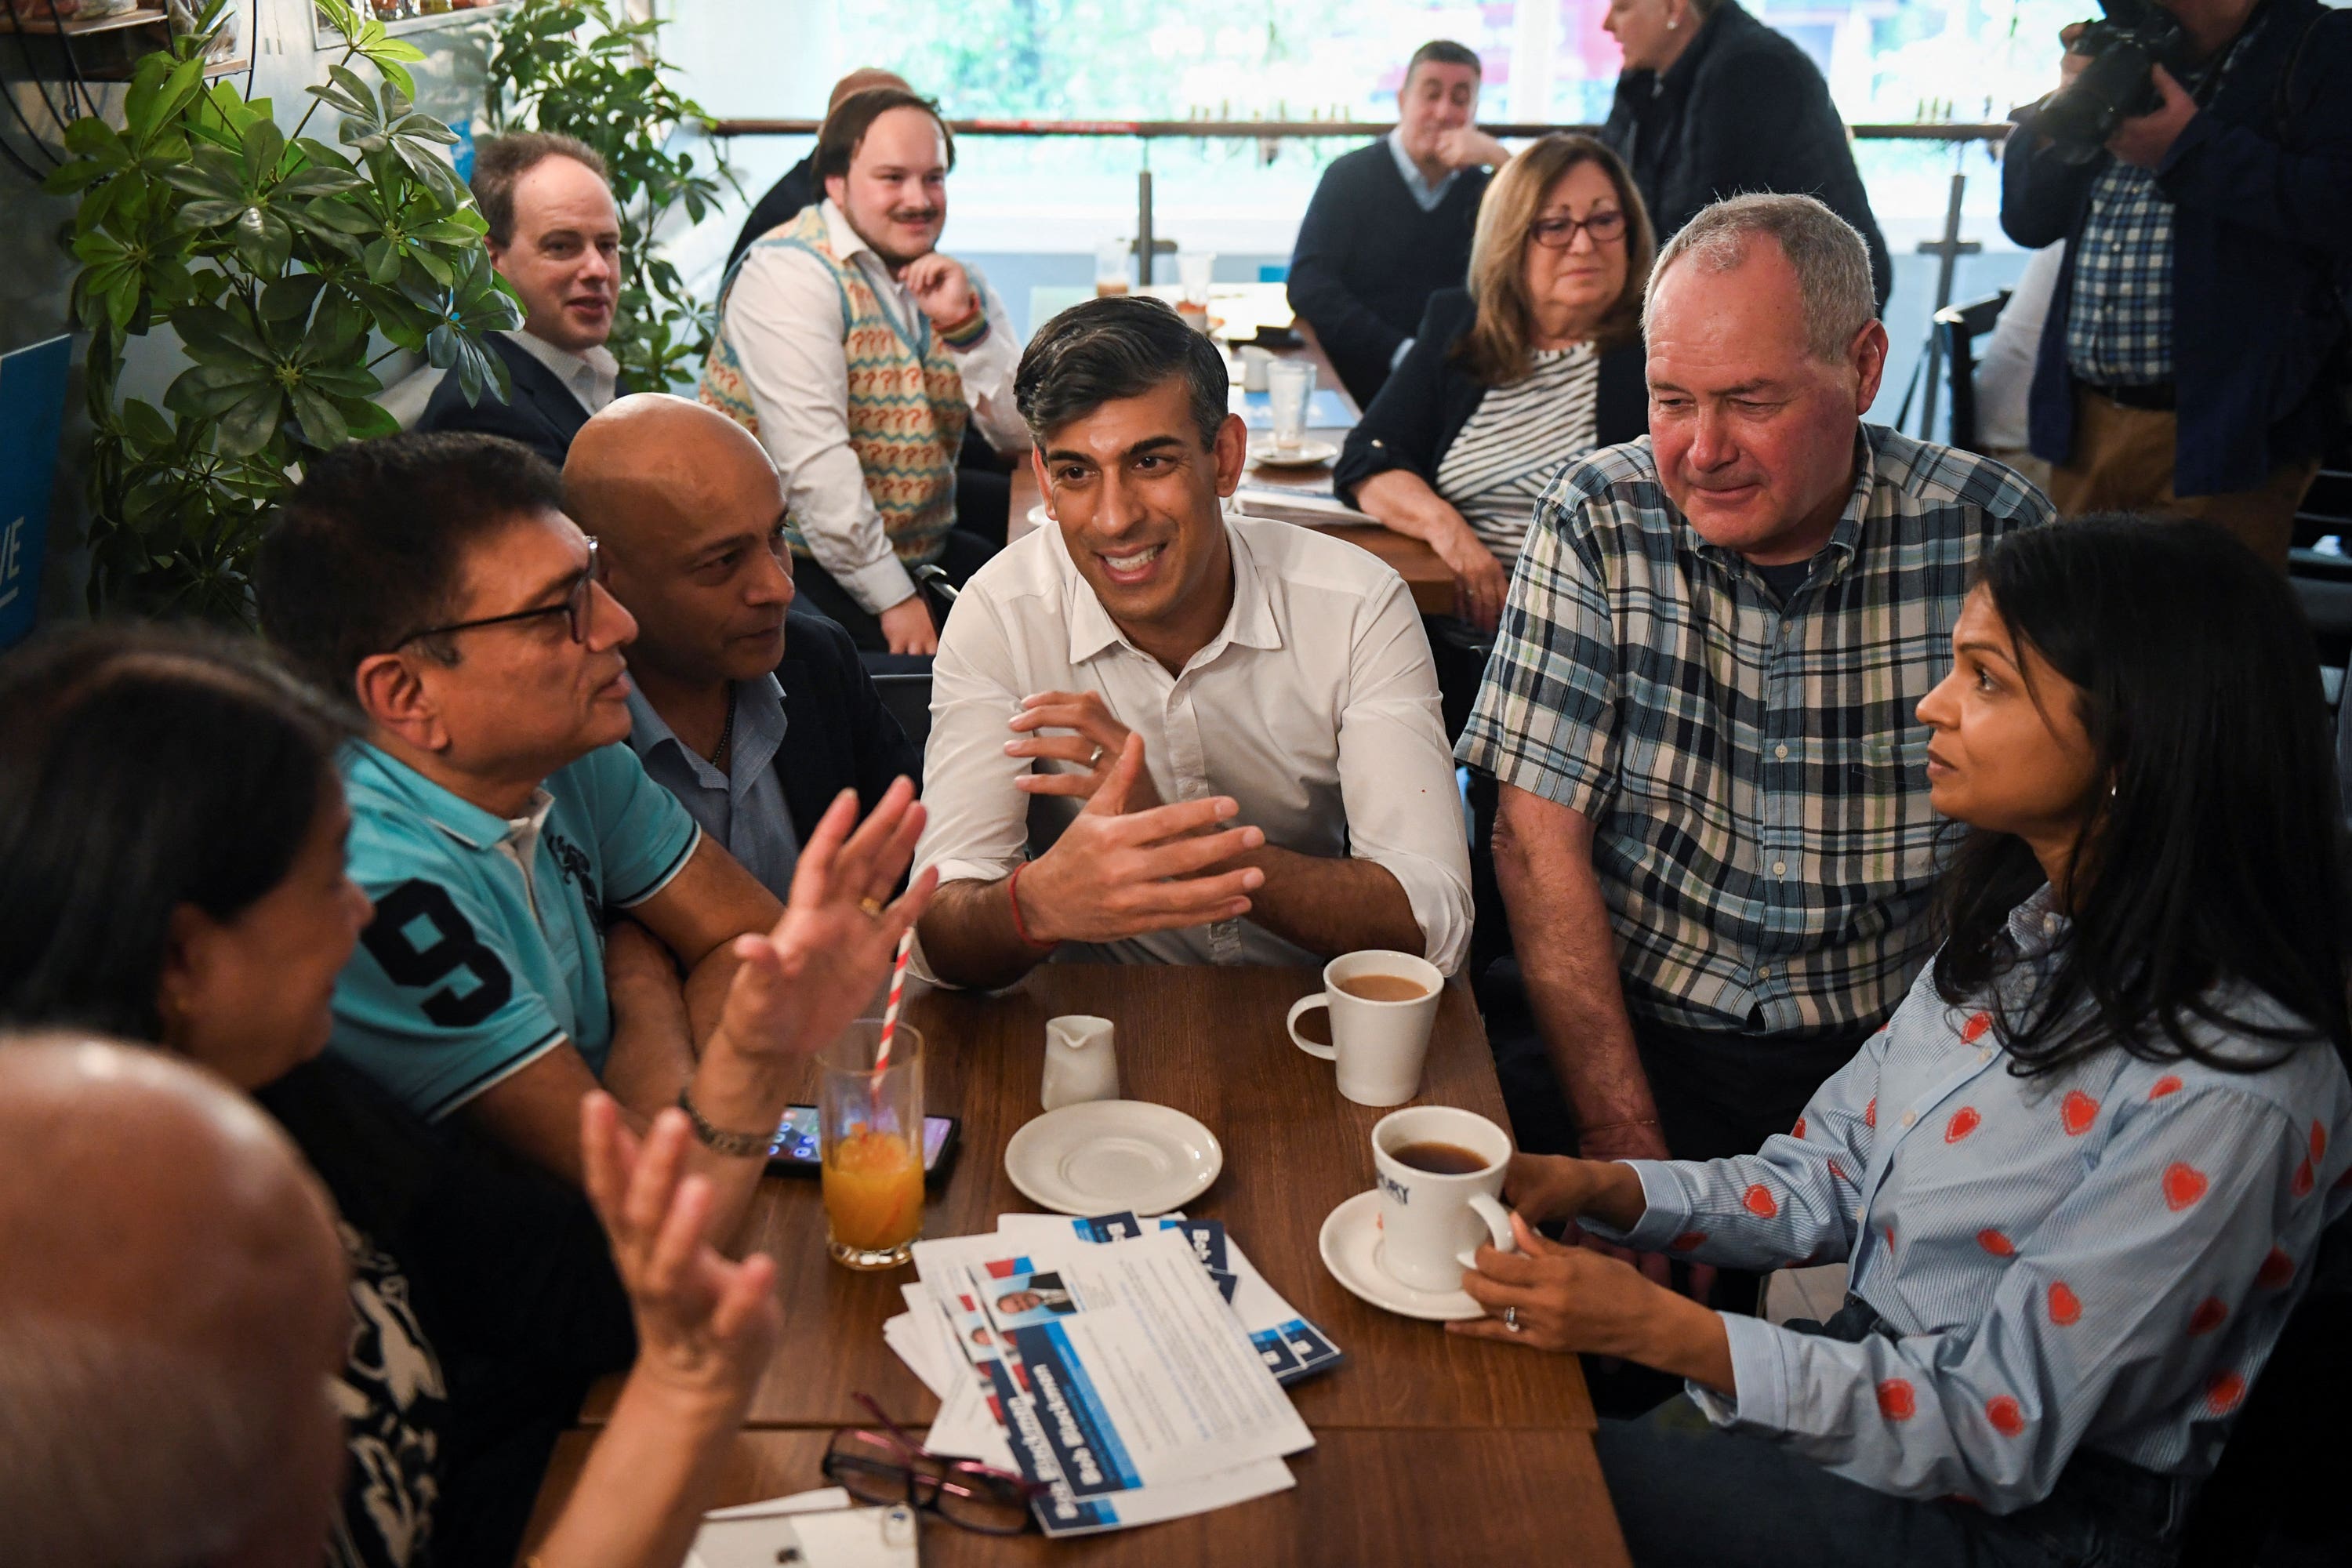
{"points": [[1122, 1383], [1291, 1347]]}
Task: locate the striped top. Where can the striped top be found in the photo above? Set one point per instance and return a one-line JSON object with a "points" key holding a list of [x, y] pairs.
{"points": [[1755, 769], [2098, 1258], [1519, 436]]}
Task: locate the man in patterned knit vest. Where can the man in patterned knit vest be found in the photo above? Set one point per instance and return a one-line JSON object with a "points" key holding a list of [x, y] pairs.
{"points": [[858, 353]]}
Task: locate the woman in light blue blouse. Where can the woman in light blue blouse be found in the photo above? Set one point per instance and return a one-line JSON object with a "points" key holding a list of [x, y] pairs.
{"points": [[2081, 1176]]}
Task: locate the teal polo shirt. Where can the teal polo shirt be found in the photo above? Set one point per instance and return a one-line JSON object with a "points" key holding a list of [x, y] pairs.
{"points": [[473, 968]]}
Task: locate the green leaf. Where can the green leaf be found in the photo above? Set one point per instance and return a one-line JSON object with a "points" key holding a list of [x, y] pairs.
{"points": [[248, 427], [145, 423], [210, 391], [320, 421], [264, 145], [218, 336], [367, 420], [290, 298]]}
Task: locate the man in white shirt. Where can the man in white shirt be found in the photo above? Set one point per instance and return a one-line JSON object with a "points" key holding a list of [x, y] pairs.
{"points": [[555, 236], [859, 354], [1271, 684]]}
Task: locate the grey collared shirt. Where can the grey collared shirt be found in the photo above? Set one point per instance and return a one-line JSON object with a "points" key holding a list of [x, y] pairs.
{"points": [[744, 807], [1427, 195]]}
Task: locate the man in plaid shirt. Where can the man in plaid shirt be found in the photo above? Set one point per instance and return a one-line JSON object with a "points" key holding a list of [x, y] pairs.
{"points": [[1714, 839], [2193, 356]]}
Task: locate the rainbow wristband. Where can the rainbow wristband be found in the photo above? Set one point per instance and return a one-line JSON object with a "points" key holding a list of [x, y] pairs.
{"points": [[966, 334]]}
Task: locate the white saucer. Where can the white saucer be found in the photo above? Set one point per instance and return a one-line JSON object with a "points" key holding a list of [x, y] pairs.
{"points": [[1350, 1244], [1309, 453], [1104, 1155]]}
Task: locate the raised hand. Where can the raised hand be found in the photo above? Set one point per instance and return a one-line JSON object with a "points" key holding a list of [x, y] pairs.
{"points": [[1096, 745], [942, 288], [801, 984], [1118, 872], [706, 1326]]}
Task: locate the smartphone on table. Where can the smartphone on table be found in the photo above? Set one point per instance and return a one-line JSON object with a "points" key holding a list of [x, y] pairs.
{"points": [[795, 1150]]}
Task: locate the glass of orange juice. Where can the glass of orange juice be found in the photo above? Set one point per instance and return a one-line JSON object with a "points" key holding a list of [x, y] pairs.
{"points": [[870, 1132]]}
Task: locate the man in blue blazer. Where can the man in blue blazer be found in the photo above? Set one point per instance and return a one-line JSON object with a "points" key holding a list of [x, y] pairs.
{"points": [[754, 715], [555, 236]]}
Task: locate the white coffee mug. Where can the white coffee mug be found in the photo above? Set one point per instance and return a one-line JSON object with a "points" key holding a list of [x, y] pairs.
{"points": [[1379, 1046], [1432, 1222]]}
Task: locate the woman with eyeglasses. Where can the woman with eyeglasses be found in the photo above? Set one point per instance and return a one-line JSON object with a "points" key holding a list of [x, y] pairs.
{"points": [[172, 871], [2086, 1172], [1537, 360]]}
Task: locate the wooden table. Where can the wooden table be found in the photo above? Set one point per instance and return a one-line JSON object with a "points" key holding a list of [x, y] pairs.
{"points": [[1429, 578], [1430, 1447]]}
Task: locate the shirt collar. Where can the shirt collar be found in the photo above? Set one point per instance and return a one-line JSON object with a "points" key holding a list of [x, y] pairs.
{"points": [[454, 814], [759, 731], [1427, 195], [2038, 925], [843, 238], [593, 374], [1251, 623]]}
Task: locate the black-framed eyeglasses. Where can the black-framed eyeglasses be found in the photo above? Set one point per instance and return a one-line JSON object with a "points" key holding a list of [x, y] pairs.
{"points": [[888, 1466], [1560, 233], [572, 607]]}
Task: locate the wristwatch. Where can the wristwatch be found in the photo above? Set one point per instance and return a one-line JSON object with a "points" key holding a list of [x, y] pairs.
{"points": [[719, 1141]]}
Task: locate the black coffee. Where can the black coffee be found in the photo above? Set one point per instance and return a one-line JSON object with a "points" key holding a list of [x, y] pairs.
{"points": [[1440, 1158]]}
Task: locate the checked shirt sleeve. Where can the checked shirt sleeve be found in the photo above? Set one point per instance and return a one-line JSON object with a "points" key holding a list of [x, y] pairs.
{"points": [[1546, 719], [2195, 1215], [1790, 1202]]}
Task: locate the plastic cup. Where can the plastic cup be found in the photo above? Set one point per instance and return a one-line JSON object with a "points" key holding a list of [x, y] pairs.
{"points": [[1193, 269], [1290, 383], [870, 1134], [1111, 268]]}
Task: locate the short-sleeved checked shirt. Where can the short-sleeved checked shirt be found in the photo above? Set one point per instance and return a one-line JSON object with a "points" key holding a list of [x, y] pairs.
{"points": [[2119, 320], [474, 969], [1755, 773]]}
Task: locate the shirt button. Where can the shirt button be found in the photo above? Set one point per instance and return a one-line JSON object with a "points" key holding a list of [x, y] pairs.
{"points": [[1985, 1055], [1780, 752], [1780, 868], [1764, 973], [1908, 1118]]}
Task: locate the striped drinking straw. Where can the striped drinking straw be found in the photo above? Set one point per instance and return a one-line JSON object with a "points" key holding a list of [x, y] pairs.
{"points": [[890, 1012]]}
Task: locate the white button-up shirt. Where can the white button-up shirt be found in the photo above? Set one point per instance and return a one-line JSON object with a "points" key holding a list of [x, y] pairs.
{"points": [[592, 377], [1315, 707], [784, 318]]}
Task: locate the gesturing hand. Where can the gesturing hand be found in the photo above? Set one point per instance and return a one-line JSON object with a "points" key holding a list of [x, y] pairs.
{"points": [[801, 984], [942, 288], [1096, 745], [706, 1326], [1117, 872]]}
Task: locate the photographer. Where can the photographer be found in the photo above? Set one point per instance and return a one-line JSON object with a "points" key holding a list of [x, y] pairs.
{"points": [[2191, 359]]}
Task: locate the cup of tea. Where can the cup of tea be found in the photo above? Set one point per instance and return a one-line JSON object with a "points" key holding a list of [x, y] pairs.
{"points": [[1382, 1007], [1440, 1175], [870, 1141]]}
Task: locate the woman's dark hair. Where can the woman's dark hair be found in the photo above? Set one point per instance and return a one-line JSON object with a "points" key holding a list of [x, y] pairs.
{"points": [[2217, 860], [144, 769]]}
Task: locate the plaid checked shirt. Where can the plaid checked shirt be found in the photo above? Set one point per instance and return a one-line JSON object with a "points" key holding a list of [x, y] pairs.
{"points": [[2120, 322], [1756, 775]]}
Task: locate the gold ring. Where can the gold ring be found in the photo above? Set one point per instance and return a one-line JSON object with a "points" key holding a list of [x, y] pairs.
{"points": [[871, 905]]}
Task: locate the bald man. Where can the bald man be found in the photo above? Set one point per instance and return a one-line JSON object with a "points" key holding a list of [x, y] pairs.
{"points": [[798, 188], [171, 1313], [753, 716]]}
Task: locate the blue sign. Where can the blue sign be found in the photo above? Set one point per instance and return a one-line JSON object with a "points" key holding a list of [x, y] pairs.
{"points": [[32, 406]]}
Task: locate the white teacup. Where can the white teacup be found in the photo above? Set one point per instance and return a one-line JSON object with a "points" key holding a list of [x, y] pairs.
{"points": [[1378, 1043], [1433, 1221]]}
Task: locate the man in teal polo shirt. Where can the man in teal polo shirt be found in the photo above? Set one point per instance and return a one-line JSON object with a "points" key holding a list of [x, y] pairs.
{"points": [[504, 828]]}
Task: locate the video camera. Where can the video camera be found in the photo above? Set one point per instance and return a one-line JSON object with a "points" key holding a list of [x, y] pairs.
{"points": [[2136, 37]]}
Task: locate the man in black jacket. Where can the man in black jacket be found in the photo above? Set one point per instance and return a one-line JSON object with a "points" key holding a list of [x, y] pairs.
{"points": [[555, 236], [799, 186], [755, 717], [1390, 223], [1713, 103]]}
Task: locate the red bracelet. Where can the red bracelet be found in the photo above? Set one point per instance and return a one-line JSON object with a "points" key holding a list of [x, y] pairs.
{"points": [[1013, 892]]}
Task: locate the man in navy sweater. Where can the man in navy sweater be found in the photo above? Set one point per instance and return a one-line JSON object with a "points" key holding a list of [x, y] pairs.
{"points": [[1390, 223]]}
